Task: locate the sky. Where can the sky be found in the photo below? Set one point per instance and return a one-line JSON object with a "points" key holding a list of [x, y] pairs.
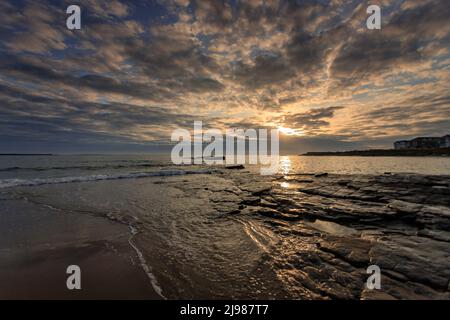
{"points": [[137, 70]]}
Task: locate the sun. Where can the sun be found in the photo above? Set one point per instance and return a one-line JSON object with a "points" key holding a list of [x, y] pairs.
{"points": [[289, 131]]}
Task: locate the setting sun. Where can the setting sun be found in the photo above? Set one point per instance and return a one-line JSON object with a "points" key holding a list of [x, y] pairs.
{"points": [[290, 131]]}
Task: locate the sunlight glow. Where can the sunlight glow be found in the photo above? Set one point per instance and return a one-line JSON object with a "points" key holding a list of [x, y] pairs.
{"points": [[290, 131]]}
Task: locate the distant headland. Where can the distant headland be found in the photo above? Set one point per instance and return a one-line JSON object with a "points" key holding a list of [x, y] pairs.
{"points": [[386, 153], [26, 154], [417, 147]]}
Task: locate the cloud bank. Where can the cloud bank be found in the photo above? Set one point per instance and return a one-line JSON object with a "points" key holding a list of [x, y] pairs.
{"points": [[136, 71]]}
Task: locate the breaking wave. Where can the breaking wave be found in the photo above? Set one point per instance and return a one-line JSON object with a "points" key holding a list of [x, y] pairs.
{"points": [[8, 183], [88, 167]]}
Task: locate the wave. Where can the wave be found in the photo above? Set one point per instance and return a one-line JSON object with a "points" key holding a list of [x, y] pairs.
{"points": [[142, 165], [144, 265], [8, 183]]}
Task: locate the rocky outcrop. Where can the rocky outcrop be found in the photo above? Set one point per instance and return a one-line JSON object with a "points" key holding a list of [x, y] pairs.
{"points": [[332, 227]]}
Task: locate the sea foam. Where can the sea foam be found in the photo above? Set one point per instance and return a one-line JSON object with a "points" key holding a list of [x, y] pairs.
{"points": [[8, 183]]}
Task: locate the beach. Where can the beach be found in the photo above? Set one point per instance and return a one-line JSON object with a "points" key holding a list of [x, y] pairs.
{"points": [[149, 230], [39, 242]]}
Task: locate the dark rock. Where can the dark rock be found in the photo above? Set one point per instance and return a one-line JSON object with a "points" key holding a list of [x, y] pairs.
{"points": [[318, 175], [400, 222], [235, 167]]}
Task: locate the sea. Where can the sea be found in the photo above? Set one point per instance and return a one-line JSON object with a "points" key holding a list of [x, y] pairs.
{"points": [[20, 170]]}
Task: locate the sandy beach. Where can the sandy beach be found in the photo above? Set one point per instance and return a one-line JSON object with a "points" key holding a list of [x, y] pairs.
{"points": [[38, 243]]}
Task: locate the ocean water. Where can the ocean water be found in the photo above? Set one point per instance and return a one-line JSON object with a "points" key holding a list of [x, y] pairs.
{"points": [[366, 165], [188, 227], [36, 170]]}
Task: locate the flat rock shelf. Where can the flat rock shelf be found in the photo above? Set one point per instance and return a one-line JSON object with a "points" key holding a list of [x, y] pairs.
{"points": [[332, 227]]}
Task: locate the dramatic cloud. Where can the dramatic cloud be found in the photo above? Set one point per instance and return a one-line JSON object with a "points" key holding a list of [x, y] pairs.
{"points": [[310, 121], [137, 70]]}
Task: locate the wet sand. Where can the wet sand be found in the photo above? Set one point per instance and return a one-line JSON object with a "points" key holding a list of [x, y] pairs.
{"points": [[37, 244]]}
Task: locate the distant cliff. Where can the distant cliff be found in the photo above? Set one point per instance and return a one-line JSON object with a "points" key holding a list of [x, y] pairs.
{"points": [[386, 153]]}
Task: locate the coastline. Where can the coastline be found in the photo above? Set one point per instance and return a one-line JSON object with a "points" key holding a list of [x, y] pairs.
{"points": [[442, 152], [229, 234]]}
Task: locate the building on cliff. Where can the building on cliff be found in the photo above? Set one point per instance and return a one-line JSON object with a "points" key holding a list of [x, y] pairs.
{"points": [[423, 143]]}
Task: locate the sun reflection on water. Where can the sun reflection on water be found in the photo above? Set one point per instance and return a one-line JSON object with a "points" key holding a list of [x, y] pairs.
{"points": [[285, 165]]}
